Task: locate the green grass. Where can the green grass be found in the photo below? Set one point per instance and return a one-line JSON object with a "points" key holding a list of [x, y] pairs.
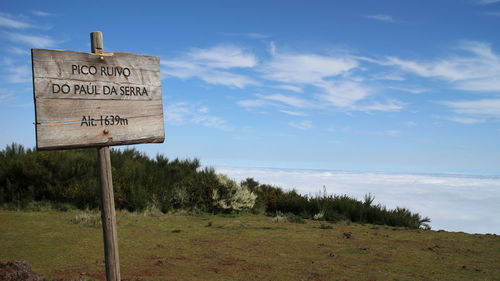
{"points": [[154, 246]]}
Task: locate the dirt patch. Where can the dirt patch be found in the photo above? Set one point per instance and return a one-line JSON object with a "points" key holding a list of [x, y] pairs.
{"points": [[18, 270]]}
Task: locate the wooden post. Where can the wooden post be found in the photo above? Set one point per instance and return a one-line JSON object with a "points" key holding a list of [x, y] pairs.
{"points": [[108, 215]]}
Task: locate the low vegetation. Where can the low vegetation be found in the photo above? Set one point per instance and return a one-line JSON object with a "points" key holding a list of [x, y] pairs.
{"points": [[69, 178], [199, 246]]}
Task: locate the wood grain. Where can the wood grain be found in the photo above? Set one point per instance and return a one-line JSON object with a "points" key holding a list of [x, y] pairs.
{"points": [[60, 123], [108, 216]]}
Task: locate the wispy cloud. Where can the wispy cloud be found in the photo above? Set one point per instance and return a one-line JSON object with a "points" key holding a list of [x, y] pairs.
{"points": [[319, 72], [305, 68], [486, 2], [465, 120], [286, 100], [31, 40], [343, 94], [222, 57], [212, 65], [477, 70], [252, 103], [19, 74], [482, 107], [303, 125], [389, 106], [41, 13], [289, 88], [446, 199], [293, 113], [380, 17], [181, 113], [280, 101], [251, 35], [18, 51], [390, 77], [5, 95], [8, 21], [14, 73], [409, 90]]}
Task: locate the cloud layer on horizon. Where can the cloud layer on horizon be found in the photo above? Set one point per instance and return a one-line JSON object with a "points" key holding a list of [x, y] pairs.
{"points": [[453, 202]]}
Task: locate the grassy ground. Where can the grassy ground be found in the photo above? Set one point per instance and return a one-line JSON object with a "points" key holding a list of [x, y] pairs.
{"points": [[246, 247]]}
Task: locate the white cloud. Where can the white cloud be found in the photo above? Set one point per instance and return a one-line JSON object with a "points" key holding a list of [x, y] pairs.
{"points": [[222, 57], [18, 51], [41, 13], [380, 17], [7, 21], [176, 113], [289, 88], [287, 100], [251, 35], [410, 90], [465, 120], [486, 2], [303, 125], [31, 40], [181, 113], [252, 103], [5, 94], [227, 79], [391, 77], [388, 106], [453, 202], [280, 101], [478, 70], [211, 121], [319, 72], [293, 113], [330, 78], [343, 94], [212, 65], [410, 123], [483, 107], [18, 74], [392, 133], [305, 68]]}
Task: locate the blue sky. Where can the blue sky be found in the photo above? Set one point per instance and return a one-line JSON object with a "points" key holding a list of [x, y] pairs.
{"points": [[394, 86]]}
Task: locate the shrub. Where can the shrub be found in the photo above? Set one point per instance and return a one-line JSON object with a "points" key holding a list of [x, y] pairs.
{"points": [[230, 196], [69, 177], [294, 218]]}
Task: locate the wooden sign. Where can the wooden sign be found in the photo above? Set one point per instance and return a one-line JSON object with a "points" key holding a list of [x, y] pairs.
{"points": [[87, 99]]}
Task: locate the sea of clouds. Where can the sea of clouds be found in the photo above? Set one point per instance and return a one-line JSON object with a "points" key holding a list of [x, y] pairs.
{"points": [[465, 203]]}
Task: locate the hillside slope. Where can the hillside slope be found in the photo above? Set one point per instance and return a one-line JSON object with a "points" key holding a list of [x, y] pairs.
{"points": [[154, 246]]}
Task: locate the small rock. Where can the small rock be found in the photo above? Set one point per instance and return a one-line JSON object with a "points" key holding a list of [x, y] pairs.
{"points": [[332, 255]]}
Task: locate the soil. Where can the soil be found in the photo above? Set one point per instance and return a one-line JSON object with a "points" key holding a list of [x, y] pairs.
{"points": [[18, 270]]}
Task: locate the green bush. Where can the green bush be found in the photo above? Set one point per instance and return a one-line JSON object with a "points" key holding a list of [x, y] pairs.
{"points": [[69, 177]]}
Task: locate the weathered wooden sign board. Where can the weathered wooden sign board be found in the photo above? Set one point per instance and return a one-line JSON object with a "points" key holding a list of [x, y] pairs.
{"points": [[87, 99]]}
